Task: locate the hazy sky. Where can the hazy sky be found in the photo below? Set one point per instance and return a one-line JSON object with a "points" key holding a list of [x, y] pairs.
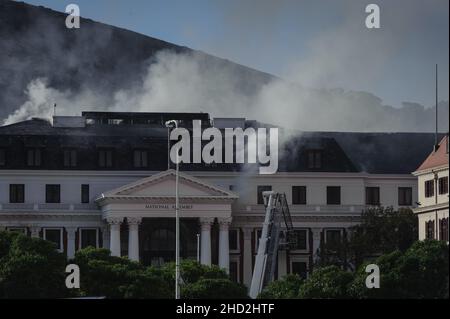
{"points": [[284, 37]]}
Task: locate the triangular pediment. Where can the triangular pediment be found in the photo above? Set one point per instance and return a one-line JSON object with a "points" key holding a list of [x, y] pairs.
{"points": [[163, 185]]}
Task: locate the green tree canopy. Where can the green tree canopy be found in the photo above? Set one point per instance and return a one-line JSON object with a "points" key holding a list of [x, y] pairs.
{"points": [[285, 288], [420, 272], [326, 282], [214, 289], [30, 268], [117, 277], [384, 230]]}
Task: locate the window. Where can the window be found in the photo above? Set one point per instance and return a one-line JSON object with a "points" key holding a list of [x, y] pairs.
{"points": [[261, 189], [2, 157], [372, 196], [70, 158], [429, 229], [405, 196], [85, 193], [301, 239], [105, 158], [140, 158], [333, 236], [55, 236], [234, 271], [16, 193], [52, 193], [300, 268], [298, 195], [443, 185], [34, 157], [429, 188], [314, 159], [333, 195], [88, 237], [234, 239], [443, 229]]}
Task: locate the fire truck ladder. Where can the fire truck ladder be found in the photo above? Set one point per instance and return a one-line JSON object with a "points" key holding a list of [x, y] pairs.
{"points": [[277, 214]]}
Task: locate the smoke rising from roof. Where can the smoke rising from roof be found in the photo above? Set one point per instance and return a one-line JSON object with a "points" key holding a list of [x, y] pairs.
{"points": [[177, 79], [184, 82]]}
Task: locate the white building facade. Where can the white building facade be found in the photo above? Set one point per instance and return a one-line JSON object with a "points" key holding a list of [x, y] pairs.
{"points": [[131, 211]]}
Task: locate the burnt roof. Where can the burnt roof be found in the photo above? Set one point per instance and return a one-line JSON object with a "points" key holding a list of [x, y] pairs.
{"points": [[376, 153]]}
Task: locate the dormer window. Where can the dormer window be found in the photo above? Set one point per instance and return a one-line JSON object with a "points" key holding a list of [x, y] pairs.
{"points": [[105, 158], [70, 158], [140, 159], [34, 157], [2, 157], [314, 159]]}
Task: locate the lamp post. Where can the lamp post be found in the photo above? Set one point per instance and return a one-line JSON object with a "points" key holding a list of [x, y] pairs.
{"points": [[174, 124]]}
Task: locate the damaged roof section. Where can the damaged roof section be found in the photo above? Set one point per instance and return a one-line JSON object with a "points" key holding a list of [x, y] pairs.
{"points": [[124, 132]]}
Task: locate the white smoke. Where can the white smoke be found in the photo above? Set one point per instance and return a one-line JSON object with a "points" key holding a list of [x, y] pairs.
{"points": [[183, 83], [308, 98]]}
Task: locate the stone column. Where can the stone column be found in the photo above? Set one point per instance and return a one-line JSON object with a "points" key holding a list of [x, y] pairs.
{"points": [[35, 231], [114, 229], [105, 237], [247, 256], [316, 242], [205, 240], [71, 241], [133, 237], [224, 244]]}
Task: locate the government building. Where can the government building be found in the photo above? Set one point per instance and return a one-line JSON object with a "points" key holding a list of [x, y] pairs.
{"points": [[104, 179]]}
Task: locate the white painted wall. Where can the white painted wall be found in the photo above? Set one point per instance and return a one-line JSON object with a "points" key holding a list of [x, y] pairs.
{"points": [[352, 185]]}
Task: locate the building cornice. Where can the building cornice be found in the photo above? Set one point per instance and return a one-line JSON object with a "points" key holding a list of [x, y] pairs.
{"points": [[431, 170], [138, 174], [431, 208]]}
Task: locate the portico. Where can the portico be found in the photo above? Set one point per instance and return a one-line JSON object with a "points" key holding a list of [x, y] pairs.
{"points": [[152, 200]]}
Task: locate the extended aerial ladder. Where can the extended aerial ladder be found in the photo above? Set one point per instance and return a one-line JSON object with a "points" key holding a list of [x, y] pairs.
{"points": [[277, 233]]}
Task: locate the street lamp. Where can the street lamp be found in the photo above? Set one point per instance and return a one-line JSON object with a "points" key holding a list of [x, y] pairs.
{"points": [[174, 124]]}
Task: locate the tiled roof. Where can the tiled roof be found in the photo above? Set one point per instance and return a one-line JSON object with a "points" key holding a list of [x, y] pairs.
{"points": [[436, 158]]}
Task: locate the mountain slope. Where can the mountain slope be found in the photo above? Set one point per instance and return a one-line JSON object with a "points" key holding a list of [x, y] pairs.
{"points": [[34, 43]]}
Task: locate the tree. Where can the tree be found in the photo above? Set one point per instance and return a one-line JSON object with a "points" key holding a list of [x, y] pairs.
{"points": [[420, 272], [117, 277], [30, 268], [109, 276], [203, 282], [383, 230], [284, 288], [326, 282], [149, 284], [192, 271], [214, 289]]}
